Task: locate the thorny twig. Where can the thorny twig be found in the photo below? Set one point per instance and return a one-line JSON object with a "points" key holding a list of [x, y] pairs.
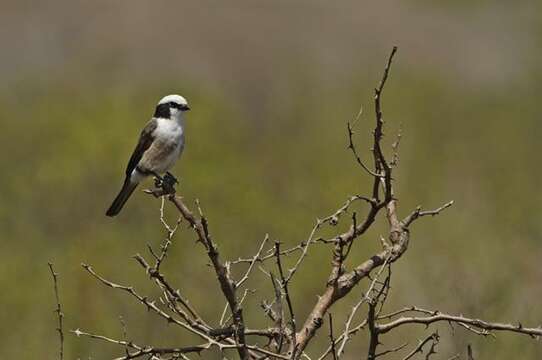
{"points": [[459, 319], [331, 338], [434, 338], [58, 311], [284, 286], [392, 350], [124, 334], [352, 147]]}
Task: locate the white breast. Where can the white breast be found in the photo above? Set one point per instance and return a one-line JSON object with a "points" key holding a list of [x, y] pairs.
{"points": [[170, 135], [168, 130]]}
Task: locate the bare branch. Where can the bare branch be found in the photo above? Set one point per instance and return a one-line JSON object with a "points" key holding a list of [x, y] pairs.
{"points": [[373, 332], [192, 317], [480, 324], [304, 249], [124, 333], [283, 339], [418, 213], [278, 316], [347, 325], [224, 319], [399, 236], [284, 286], [226, 283], [270, 253], [331, 339], [352, 147], [434, 338], [392, 350], [151, 305], [395, 147], [253, 261], [142, 350], [381, 163], [407, 310], [345, 335], [58, 311]]}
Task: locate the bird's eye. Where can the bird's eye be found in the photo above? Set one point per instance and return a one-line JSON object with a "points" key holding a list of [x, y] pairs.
{"points": [[174, 105]]}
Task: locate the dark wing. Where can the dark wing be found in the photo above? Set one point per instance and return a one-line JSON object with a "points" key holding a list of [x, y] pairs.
{"points": [[145, 140]]}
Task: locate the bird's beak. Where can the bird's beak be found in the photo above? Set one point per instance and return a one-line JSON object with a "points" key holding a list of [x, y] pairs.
{"points": [[186, 108]]}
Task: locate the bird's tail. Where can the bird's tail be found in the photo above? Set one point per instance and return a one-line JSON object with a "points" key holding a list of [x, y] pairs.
{"points": [[127, 190]]}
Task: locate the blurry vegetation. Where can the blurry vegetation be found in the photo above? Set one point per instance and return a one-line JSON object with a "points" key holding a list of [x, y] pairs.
{"points": [[268, 156]]}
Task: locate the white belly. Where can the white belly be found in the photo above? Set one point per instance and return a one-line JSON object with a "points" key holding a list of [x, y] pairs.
{"points": [[169, 160], [166, 148]]}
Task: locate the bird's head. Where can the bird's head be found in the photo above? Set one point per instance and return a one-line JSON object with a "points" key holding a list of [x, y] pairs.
{"points": [[171, 107]]}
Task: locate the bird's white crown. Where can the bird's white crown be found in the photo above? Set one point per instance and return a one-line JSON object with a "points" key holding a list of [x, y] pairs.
{"points": [[177, 99]]}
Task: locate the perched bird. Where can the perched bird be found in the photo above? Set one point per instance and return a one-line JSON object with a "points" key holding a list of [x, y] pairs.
{"points": [[160, 144]]}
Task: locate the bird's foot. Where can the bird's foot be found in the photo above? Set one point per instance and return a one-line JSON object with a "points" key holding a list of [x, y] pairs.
{"points": [[164, 185], [171, 177], [168, 183]]}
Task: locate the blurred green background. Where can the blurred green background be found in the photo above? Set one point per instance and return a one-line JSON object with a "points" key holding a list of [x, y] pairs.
{"points": [[272, 85]]}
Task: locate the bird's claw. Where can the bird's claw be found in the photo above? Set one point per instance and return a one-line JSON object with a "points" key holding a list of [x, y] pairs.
{"points": [[171, 178], [167, 183]]}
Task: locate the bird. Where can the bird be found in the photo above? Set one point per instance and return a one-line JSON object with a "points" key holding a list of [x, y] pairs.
{"points": [[160, 144]]}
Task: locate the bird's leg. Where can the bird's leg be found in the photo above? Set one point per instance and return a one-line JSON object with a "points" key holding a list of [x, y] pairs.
{"points": [[168, 183], [171, 177]]}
